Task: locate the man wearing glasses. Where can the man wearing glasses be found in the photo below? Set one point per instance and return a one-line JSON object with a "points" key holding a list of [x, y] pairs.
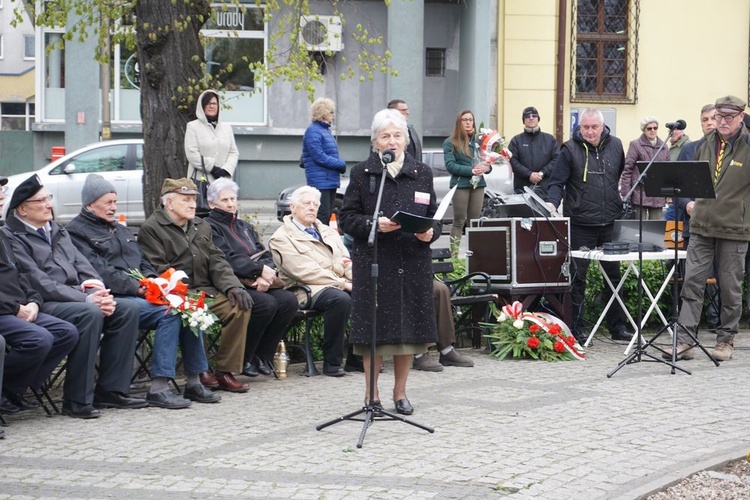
{"points": [[719, 229], [72, 290], [534, 154]]}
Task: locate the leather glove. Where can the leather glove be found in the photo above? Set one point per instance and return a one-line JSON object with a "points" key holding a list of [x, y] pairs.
{"points": [[239, 297], [218, 172]]}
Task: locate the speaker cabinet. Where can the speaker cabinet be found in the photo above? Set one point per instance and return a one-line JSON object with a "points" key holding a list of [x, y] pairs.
{"points": [[520, 252]]}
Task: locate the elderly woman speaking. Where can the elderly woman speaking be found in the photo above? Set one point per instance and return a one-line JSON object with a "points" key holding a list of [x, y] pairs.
{"points": [[273, 308], [406, 310]]}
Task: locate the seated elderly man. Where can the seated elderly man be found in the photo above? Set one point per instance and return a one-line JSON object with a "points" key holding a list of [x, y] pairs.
{"points": [[72, 290], [273, 308], [38, 341], [112, 250], [307, 252], [174, 237]]}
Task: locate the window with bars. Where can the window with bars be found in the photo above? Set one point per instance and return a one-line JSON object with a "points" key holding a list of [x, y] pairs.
{"points": [[435, 62], [604, 51]]}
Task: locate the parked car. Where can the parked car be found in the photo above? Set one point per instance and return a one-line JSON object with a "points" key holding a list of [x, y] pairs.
{"points": [[499, 182], [120, 162]]}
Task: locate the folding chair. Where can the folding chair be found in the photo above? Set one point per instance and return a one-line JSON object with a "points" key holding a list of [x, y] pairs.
{"points": [[470, 295]]}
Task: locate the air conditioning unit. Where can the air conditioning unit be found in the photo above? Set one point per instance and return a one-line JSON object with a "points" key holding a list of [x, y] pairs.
{"points": [[321, 33]]}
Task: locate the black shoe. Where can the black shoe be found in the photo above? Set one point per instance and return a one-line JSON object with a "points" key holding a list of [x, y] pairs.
{"points": [[377, 408], [263, 367], [354, 363], [6, 407], [403, 406], [249, 369], [200, 394], [114, 399], [333, 370], [2, 434], [78, 410], [167, 399], [621, 335], [20, 402]]}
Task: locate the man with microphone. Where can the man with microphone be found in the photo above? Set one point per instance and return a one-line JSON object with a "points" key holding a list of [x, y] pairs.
{"points": [[720, 229]]}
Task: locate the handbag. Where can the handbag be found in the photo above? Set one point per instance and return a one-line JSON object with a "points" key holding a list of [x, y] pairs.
{"points": [[201, 203]]}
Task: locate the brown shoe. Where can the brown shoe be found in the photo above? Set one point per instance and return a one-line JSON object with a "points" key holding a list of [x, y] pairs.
{"points": [[208, 380], [723, 351], [227, 382], [684, 351]]}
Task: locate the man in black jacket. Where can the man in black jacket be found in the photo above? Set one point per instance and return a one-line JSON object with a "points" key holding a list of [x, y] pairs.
{"points": [[113, 251], [587, 173], [38, 341], [534, 154]]}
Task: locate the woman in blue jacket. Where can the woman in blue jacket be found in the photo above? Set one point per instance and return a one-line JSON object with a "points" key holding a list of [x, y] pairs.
{"points": [[320, 156]]}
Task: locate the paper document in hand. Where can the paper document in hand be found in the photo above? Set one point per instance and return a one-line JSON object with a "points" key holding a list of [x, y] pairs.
{"points": [[411, 223]]}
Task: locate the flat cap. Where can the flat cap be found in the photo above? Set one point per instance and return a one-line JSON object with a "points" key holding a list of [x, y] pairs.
{"points": [[731, 102], [179, 186], [25, 190]]}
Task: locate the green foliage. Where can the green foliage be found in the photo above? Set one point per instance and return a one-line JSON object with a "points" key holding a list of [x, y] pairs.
{"points": [[654, 272], [526, 339]]}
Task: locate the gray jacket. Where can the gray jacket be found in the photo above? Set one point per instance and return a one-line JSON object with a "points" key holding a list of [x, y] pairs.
{"points": [[55, 270]]}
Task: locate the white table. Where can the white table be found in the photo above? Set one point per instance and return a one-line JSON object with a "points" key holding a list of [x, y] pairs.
{"points": [[632, 260]]}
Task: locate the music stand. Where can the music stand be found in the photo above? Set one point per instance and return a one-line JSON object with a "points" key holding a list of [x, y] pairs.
{"points": [[673, 179]]}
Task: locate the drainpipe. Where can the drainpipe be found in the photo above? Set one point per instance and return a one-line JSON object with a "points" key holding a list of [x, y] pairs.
{"points": [[560, 84]]}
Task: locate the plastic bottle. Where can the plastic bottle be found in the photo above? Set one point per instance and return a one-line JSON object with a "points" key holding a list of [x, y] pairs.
{"points": [[281, 360]]}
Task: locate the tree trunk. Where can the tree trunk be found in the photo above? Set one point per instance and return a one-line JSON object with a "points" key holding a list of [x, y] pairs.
{"points": [[169, 58]]}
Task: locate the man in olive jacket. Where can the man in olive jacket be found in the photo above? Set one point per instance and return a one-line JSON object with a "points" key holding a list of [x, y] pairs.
{"points": [[174, 237], [720, 229]]}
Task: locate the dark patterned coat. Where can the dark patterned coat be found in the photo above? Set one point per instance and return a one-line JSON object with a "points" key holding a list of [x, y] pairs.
{"points": [[406, 310]]}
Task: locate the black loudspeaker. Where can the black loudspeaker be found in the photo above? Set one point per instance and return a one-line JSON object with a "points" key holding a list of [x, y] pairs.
{"points": [[520, 252]]}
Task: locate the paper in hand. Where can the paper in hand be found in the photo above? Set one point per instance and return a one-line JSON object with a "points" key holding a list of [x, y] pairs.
{"points": [[411, 223]]}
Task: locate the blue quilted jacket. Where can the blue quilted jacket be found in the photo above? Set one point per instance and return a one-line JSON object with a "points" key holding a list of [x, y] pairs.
{"points": [[320, 155]]}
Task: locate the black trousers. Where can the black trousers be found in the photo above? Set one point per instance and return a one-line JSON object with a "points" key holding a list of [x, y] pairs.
{"points": [[336, 306], [272, 313], [592, 237], [327, 203], [116, 335]]}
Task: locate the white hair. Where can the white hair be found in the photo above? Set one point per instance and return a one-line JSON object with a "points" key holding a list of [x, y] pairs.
{"points": [[220, 185], [300, 192], [386, 118]]}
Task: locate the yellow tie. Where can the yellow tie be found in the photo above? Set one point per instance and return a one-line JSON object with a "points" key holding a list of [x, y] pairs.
{"points": [[717, 170]]}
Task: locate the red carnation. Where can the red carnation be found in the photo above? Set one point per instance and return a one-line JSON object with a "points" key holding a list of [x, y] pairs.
{"points": [[534, 328], [570, 340], [532, 342], [559, 346], [555, 329]]}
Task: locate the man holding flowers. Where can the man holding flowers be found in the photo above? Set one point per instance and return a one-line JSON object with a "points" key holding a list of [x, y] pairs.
{"points": [[173, 237], [112, 250]]}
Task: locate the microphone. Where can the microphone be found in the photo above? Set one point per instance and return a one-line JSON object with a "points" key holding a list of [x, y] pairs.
{"points": [[678, 125], [389, 155]]}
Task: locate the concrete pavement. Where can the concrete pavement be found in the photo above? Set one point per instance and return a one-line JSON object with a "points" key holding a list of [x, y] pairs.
{"points": [[525, 429]]}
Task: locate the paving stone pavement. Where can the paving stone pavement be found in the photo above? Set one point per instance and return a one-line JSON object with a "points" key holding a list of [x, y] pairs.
{"points": [[522, 429]]}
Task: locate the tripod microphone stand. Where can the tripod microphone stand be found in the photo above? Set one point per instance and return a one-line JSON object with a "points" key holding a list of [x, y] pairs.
{"points": [[640, 350], [674, 179], [369, 409]]}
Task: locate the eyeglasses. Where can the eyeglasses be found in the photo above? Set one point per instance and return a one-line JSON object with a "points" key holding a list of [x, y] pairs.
{"points": [[652, 128], [46, 199], [727, 118], [212, 104], [530, 117], [467, 119]]}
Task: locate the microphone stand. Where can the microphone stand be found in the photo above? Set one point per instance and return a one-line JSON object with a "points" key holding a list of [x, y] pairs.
{"points": [[640, 349], [368, 409]]}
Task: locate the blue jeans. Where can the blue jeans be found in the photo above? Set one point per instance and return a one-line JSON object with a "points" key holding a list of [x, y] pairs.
{"points": [[169, 333]]}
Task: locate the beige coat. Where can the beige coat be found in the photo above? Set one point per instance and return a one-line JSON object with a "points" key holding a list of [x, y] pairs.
{"points": [[302, 260], [216, 145]]}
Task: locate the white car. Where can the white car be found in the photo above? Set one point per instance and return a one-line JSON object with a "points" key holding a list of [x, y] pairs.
{"points": [[120, 162], [499, 182]]}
